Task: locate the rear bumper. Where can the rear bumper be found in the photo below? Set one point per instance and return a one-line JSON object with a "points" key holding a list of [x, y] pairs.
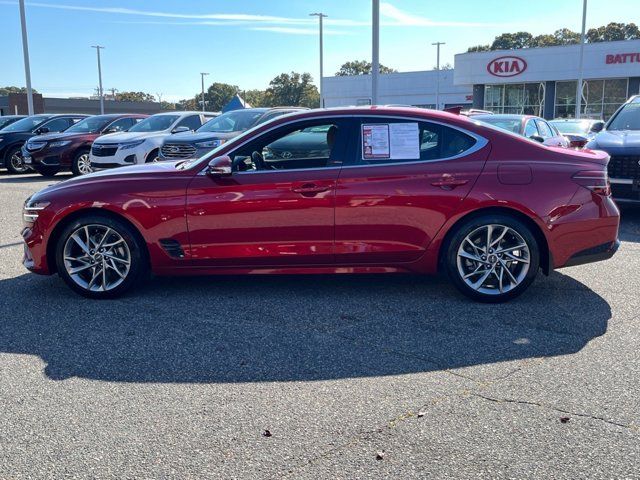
{"points": [[594, 254]]}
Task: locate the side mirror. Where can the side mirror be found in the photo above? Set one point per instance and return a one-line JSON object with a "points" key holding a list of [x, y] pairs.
{"points": [[42, 130], [219, 167], [597, 127], [180, 129], [111, 130], [537, 138]]}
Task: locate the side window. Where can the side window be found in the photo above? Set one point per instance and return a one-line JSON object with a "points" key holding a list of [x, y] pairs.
{"points": [[120, 125], [271, 116], [76, 120], [401, 141], [193, 122], [310, 145], [545, 130], [530, 129], [58, 124]]}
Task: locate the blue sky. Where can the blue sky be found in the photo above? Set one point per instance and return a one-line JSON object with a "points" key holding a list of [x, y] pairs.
{"points": [[160, 46]]}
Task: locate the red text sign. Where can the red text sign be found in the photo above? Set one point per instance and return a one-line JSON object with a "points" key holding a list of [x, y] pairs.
{"points": [[506, 66]]}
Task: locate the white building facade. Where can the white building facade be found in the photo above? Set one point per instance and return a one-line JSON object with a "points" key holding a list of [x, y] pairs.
{"points": [[538, 81]]}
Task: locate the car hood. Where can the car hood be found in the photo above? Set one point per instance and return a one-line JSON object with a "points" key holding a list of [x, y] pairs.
{"points": [[63, 136], [202, 136], [130, 136], [616, 141]]}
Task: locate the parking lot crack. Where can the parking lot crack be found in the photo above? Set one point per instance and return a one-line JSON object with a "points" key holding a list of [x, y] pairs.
{"points": [[555, 409]]}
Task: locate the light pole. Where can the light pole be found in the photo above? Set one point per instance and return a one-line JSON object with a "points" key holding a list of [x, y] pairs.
{"points": [[581, 60], [101, 92], [25, 51], [202, 75], [320, 16], [437, 44], [375, 53]]}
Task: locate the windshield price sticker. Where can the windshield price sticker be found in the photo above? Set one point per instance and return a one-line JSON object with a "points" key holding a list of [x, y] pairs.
{"points": [[390, 141]]}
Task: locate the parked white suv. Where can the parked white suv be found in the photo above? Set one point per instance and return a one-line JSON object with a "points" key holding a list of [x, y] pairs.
{"points": [[141, 143]]}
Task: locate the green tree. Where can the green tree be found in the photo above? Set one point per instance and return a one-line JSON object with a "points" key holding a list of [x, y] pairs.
{"points": [[135, 97], [167, 105], [612, 32], [12, 89], [479, 48], [256, 98], [217, 96], [293, 89], [187, 104], [564, 36], [545, 40], [512, 41], [360, 67]]}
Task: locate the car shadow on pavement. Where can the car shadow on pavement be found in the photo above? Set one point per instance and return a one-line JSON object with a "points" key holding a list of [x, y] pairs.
{"points": [[305, 328], [31, 178], [630, 223]]}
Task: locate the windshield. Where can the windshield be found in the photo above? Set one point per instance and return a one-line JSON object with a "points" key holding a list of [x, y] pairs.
{"points": [[89, 125], [628, 118], [26, 124], [236, 121], [580, 128], [155, 123], [4, 122], [509, 124]]}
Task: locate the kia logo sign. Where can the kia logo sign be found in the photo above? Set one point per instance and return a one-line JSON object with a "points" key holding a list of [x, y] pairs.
{"points": [[506, 66]]}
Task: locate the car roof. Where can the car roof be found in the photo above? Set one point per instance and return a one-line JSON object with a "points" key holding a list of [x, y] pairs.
{"points": [[13, 116], [506, 116], [185, 112]]}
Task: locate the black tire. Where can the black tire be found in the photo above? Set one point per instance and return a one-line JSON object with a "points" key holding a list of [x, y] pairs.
{"points": [[138, 255], [15, 150], [153, 154], [475, 225], [76, 167]]}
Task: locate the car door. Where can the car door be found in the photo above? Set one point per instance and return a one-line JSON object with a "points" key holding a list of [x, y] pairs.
{"points": [[273, 210], [390, 204]]}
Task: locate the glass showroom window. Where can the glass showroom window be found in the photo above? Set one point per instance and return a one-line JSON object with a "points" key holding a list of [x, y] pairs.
{"points": [[600, 98], [519, 98]]}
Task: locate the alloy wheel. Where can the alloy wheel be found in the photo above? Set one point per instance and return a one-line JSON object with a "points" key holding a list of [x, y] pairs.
{"points": [[84, 164], [17, 163], [97, 258], [493, 259]]}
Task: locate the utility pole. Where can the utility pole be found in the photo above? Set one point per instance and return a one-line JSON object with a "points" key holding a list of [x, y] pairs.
{"points": [[202, 75], [320, 16], [375, 51], [437, 44], [25, 52], [101, 93], [581, 60], [113, 93]]}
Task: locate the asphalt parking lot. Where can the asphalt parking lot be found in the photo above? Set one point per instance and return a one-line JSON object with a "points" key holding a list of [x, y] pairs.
{"points": [[352, 377]]}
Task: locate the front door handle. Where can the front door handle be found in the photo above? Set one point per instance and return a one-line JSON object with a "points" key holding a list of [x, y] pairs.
{"points": [[449, 183], [310, 189]]}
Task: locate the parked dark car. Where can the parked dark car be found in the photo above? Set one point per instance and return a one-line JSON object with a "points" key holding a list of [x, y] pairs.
{"points": [[7, 120], [15, 135], [620, 138], [529, 126], [69, 150], [578, 131], [217, 131]]}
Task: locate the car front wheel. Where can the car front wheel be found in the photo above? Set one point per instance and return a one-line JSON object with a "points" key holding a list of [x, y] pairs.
{"points": [[492, 258], [100, 257], [81, 164], [15, 162]]}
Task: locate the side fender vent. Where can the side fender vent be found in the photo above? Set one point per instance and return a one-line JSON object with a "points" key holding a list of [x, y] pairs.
{"points": [[172, 247]]}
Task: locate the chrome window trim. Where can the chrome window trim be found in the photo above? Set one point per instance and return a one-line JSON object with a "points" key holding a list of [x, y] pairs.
{"points": [[481, 142]]}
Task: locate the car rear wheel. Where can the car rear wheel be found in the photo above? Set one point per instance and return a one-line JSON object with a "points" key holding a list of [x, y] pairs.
{"points": [[15, 162], [492, 258], [100, 257], [81, 164]]}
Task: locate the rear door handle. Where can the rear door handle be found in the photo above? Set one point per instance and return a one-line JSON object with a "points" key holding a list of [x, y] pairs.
{"points": [[449, 183], [310, 188]]}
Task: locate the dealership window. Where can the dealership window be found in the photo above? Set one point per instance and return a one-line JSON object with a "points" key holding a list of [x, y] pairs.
{"points": [[519, 98], [600, 98]]}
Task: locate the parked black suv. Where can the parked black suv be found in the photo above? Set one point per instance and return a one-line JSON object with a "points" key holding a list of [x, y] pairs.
{"points": [[15, 135], [217, 131], [7, 120]]}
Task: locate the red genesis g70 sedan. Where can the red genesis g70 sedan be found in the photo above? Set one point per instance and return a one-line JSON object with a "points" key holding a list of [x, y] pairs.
{"points": [[352, 190]]}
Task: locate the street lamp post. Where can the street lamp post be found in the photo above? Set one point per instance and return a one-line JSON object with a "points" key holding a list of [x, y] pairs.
{"points": [[100, 92], [581, 60], [202, 75], [25, 51], [437, 44], [320, 16], [375, 54]]}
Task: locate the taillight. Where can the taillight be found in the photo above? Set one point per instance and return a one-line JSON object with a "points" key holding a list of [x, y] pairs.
{"points": [[577, 144], [595, 180]]}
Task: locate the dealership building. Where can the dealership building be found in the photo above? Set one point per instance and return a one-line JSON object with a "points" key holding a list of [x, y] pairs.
{"points": [[537, 81]]}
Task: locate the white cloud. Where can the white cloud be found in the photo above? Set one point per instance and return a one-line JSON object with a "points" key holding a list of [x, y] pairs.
{"points": [[297, 31], [402, 18]]}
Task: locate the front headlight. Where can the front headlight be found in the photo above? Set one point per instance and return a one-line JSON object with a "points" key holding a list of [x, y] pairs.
{"points": [[128, 145], [31, 210], [210, 143], [61, 143]]}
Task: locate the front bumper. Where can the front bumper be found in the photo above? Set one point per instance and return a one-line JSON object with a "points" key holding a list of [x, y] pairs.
{"points": [[122, 158], [625, 189]]}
